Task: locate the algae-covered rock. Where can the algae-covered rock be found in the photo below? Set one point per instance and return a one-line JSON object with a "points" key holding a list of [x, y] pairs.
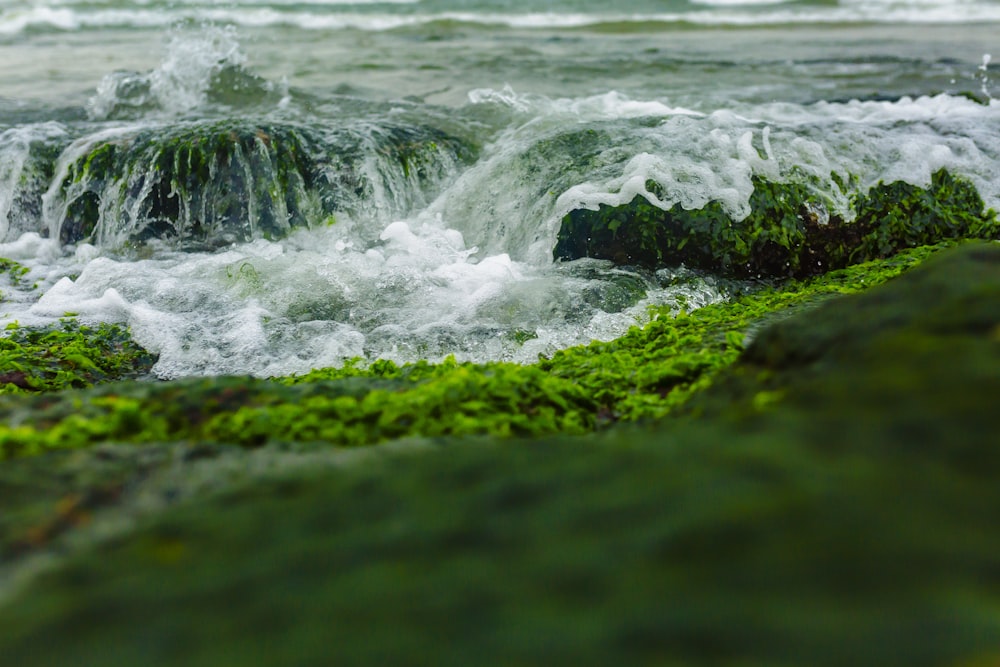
{"points": [[497, 399], [842, 514], [224, 181], [28, 158], [932, 338], [789, 232], [68, 355], [647, 373], [47, 497]]}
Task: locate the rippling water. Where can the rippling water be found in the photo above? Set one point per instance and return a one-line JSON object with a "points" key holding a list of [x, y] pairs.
{"points": [[437, 144]]}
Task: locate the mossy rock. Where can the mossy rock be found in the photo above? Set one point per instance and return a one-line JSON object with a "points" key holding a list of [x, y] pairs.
{"points": [[648, 373], [851, 521], [69, 355], [211, 183], [788, 233], [931, 337]]}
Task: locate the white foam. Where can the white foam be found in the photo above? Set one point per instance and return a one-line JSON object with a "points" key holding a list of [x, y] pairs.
{"points": [[318, 297], [610, 105], [31, 247]]}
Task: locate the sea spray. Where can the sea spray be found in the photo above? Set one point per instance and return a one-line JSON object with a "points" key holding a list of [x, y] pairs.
{"points": [[247, 207]]}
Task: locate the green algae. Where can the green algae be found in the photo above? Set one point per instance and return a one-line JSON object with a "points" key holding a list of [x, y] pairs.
{"points": [[648, 373], [854, 524], [188, 181], [942, 320], [829, 499], [236, 180], [497, 399], [15, 272], [70, 355], [705, 546], [788, 232]]}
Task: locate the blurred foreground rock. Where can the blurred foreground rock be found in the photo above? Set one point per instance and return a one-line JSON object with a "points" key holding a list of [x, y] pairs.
{"points": [[832, 500]]}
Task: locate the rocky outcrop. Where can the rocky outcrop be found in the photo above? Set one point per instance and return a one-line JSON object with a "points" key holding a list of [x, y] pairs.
{"points": [[212, 183], [830, 498], [789, 232]]}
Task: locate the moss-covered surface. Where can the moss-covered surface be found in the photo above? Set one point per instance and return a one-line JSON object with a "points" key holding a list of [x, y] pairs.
{"points": [[842, 513], [788, 232], [71, 355], [235, 180], [190, 181], [647, 373]]}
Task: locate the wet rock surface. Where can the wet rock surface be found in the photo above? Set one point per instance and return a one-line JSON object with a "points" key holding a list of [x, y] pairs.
{"points": [[829, 500]]}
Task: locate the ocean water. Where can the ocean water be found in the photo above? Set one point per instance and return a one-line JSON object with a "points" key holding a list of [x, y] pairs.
{"points": [[436, 145]]}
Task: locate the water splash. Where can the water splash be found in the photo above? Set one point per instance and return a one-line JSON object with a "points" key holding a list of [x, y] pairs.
{"points": [[320, 296], [26, 155], [984, 77], [195, 60]]}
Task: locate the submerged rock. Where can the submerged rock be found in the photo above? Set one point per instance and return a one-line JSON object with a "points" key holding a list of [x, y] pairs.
{"points": [[834, 504], [212, 183]]}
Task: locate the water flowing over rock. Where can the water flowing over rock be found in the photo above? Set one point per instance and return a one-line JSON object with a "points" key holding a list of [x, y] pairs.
{"points": [[219, 182]]}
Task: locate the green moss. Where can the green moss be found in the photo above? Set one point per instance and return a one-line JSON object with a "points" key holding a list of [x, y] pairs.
{"points": [[786, 233], [939, 327], [15, 271], [855, 525], [216, 182], [70, 355], [648, 373], [832, 503], [194, 182]]}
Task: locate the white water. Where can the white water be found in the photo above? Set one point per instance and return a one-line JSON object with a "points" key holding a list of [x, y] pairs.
{"points": [[463, 266]]}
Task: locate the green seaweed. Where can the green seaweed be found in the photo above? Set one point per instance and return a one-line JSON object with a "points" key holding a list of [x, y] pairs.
{"points": [[852, 522], [786, 234], [650, 372], [71, 355]]}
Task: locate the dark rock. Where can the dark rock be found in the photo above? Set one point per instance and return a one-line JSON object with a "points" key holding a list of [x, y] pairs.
{"points": [[787, 234], [212, 183]]}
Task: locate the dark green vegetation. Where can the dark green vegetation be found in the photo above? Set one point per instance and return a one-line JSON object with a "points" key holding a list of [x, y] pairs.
{"points": [[235, 180], [647, 373], [805, 475], [73, 355], [785, 234], [830, 499], [13, 271]]}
